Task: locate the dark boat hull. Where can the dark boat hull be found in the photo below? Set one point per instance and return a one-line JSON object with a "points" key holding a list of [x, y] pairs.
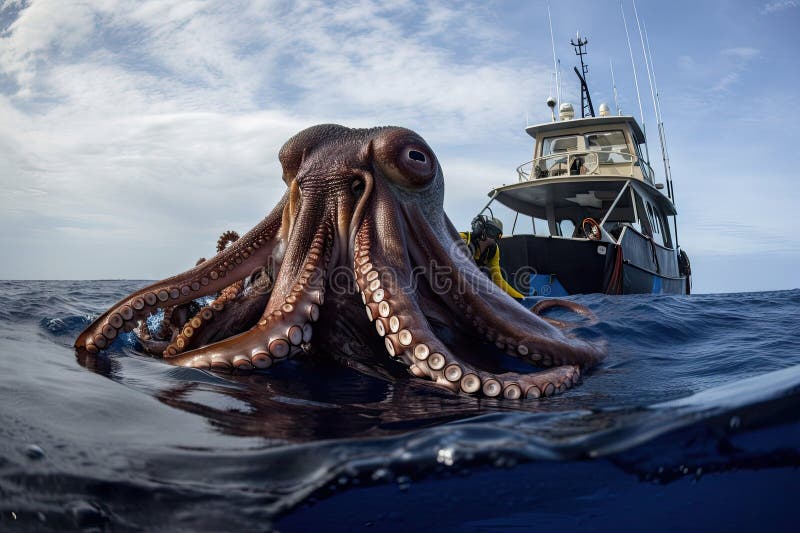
{"points": [[557, 266]]}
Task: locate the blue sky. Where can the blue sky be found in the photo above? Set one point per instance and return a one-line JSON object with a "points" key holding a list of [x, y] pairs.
{"points": [[133, 133]]}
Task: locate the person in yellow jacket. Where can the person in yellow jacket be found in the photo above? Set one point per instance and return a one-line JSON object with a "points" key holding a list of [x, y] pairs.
{"points": [[482, 243]]}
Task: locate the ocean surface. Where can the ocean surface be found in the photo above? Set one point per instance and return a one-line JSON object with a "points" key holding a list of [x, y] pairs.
{"points": [[693, 421]]}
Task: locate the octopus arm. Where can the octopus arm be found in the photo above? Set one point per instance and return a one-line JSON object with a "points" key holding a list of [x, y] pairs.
{"points": [[387, 284], [237, 261], [285, 328], [498, 318]]}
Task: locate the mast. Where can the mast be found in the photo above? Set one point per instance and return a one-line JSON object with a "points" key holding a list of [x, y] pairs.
{"points": [[586, 99], [663, 137], [635, 79], [555, 60], [614, 87]]}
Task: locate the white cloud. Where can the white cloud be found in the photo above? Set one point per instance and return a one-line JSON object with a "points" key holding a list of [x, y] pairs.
{"points": [[744, 53], [719, 72], [779, 5], [126, 121], [133, 132]]}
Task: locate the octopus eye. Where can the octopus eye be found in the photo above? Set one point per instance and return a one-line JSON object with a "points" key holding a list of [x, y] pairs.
{"points": [[416, 155], [357, 186], [405, 158]]}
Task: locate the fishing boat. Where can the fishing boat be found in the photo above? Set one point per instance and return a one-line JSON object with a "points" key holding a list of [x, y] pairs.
{"points": [[600, 221]]}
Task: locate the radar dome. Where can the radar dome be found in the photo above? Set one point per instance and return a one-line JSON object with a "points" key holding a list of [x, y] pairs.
{"points": [[566, 112]]}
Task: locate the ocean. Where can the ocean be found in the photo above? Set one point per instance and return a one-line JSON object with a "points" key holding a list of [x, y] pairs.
{"points": [[693, 421]]}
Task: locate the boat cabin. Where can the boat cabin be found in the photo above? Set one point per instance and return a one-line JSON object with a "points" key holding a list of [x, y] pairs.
{"points": [[589, 147], [590, 168], [591, 196]]}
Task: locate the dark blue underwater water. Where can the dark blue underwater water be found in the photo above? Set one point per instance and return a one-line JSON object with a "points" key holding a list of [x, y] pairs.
{"points": [[692, 422]]}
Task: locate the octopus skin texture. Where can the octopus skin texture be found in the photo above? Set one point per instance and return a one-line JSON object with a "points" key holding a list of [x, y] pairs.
{"points": [[359, 260]]}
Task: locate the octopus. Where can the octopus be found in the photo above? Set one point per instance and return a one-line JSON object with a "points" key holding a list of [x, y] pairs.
{"points": [[357, 260]]}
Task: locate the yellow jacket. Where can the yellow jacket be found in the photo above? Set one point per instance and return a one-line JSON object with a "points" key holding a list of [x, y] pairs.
{"points": [[493, 265]]}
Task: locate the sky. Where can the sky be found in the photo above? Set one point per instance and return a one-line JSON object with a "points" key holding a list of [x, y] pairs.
{"points": [[133, 133]]}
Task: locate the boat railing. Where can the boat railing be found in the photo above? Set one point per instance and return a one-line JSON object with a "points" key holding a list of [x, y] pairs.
{"points": [[585, 163]]}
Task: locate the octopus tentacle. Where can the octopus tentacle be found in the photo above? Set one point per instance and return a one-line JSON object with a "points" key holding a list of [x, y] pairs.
{"points": [[495, 315], [226, 238], [284, 328], [409, 338], [202, 318], [576, 308], [181, 341], [165, 327], [235, 262], [381, 267], [172, 321]]}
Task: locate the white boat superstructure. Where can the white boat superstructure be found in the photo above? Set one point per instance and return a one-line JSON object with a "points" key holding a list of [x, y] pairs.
{"points": [[604, 221]]}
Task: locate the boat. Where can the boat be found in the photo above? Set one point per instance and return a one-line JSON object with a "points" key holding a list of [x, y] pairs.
{"points": [[600, 222]]}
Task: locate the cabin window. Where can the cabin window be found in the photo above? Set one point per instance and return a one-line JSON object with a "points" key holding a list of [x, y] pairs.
{"points": [[566, 228], [651, 217], [540, 226], [559, 145], [642, 223], [611, 145], [657, 224], [661, 227], [552, 162], [642, 163]]}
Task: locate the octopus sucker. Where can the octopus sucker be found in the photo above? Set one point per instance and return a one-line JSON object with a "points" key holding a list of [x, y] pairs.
{"points": [[512, 392], [261, 360], [436, 361], [492, 388], [453, 372], [221, 363], [470, 383], [116, 320], [404, 336], [295, 335], [307, 332], [279, 348], [421, 351], [390, 346], [242, 362], [533, 392], [363, 217]]}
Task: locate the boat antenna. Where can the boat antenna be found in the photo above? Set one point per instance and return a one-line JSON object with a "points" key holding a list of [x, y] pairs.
{"points": [[662, 133], [556, 62], [652, 94], [586, 98], [614, 87], [635, 78], [559, 80]]}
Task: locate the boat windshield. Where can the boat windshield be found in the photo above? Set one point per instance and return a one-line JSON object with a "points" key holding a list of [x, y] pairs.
{"points": [[611, 146], [559, 145]]}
